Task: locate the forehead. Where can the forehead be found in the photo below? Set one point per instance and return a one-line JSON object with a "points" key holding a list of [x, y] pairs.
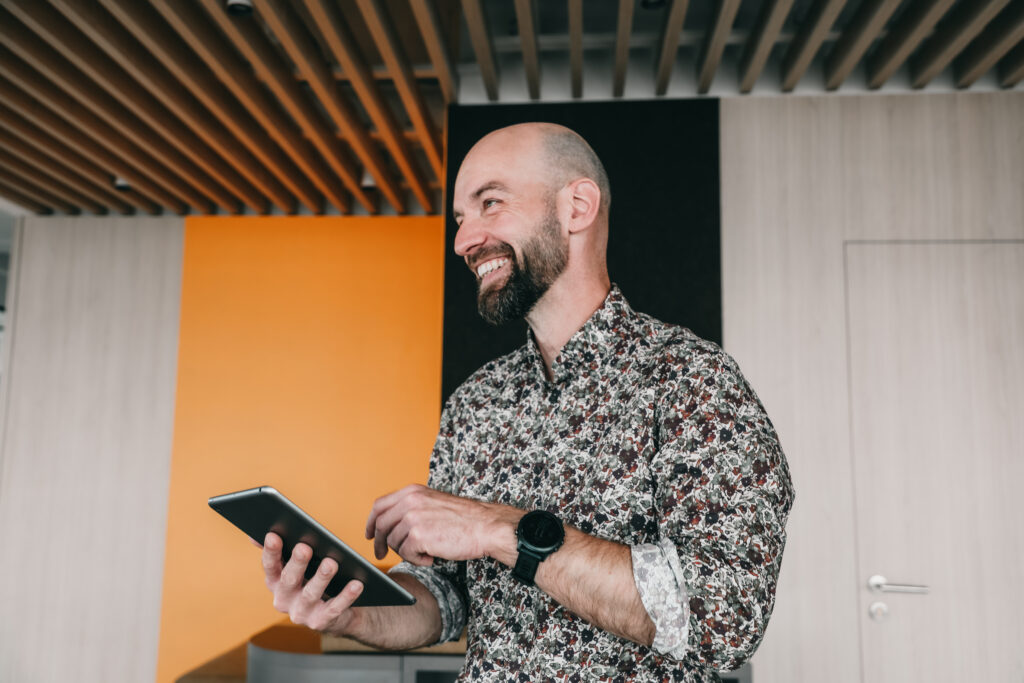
{"points": [[498, 158]]}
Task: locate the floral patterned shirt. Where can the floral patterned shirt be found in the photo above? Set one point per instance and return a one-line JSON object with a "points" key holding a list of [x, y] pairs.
{"points": [[648, 436]]}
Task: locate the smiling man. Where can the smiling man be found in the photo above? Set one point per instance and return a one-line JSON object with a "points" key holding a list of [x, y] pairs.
{"points": [[607, 502]]}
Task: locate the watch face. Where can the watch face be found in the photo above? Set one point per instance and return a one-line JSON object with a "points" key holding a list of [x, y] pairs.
{"points": [[542, 530]]}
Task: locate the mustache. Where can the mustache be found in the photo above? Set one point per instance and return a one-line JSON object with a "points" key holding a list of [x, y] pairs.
{"points": [[495, 251]]}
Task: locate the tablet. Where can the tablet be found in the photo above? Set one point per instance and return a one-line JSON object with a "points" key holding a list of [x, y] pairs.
{"points": [[262, 509]]}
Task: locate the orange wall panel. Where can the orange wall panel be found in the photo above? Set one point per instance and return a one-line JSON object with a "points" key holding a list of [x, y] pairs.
{"points": [[309, 360]]}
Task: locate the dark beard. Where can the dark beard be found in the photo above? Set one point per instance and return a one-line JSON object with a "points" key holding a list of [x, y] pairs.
{"points": [[544, 259]]}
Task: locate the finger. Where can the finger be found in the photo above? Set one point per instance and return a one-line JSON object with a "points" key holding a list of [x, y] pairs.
{"points": [[295, 571], [272, 558], [387, 522], [334, 607], [398, 536], [385, 503], [315, 587]]}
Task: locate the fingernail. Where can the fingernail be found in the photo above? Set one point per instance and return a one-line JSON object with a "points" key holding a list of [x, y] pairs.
{"points": [[357, 588]]}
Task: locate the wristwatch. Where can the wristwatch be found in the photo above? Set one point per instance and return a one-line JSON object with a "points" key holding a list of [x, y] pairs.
{"points": [[540, 533]]}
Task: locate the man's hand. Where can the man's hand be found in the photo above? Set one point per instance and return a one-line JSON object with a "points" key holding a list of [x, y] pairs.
{"points": [[421, 524], [301, 600]]}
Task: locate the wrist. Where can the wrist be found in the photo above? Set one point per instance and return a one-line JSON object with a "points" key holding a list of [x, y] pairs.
{"points": [[500, 542]]}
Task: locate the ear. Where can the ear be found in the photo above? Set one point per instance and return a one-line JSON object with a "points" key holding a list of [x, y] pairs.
{"points": [[584, 204]]}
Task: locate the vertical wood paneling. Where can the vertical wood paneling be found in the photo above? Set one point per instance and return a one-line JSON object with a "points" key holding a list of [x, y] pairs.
{"points": [[87, 422], [799, 177]]}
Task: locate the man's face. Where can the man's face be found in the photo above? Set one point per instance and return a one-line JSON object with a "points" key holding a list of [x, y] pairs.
{"points": [[509, 231], [543, 258]]}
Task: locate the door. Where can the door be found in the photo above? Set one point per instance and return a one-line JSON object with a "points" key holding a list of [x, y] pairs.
{"points": [[936, 361]]}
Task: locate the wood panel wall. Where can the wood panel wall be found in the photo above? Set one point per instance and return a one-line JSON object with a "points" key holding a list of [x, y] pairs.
{"points": [[87, 417], [801, 176]]}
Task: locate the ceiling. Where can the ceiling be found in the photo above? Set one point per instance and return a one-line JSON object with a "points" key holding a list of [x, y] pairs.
{"points": [[337, 106]]}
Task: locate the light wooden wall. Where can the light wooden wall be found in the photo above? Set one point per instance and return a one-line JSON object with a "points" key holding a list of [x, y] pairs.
{"points": [[87, 420], [801, 176]]}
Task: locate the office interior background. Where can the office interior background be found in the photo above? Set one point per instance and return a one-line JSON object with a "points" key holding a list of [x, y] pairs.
{"points": [[224, 247]]}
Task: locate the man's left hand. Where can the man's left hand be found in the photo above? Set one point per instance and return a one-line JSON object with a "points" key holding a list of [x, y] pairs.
{"points": [[420, 524]]}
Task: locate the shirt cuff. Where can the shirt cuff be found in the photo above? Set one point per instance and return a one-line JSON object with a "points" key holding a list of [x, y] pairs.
{"points": [[659, 580], [449, 599]]}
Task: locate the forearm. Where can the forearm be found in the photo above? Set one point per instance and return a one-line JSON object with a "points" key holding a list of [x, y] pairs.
{"points": [[398, 628], [589, 576]]}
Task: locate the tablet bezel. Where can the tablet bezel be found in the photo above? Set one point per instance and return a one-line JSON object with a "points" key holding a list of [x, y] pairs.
{"points": [[259, 510]]}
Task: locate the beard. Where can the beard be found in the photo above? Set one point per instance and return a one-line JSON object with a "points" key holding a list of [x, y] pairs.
{"points": [[545, 256]]}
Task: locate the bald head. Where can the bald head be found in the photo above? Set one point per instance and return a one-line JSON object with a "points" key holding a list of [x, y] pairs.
{"points": [[560, 153]]}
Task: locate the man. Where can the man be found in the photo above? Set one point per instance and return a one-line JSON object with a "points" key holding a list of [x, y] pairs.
{"points": [[608, 501]]}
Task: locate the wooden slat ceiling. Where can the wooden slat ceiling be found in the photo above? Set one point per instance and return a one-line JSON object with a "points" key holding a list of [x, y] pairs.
{"points": [[337, 106]]}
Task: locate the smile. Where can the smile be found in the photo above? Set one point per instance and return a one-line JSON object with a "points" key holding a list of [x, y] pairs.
{"points": [[490, 266]]}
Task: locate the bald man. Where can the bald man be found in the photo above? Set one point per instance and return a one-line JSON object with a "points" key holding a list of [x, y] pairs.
{"points": [[607, 502]]}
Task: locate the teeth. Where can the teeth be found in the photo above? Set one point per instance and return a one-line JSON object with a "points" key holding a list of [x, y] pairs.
{"points": [[487, 267]]}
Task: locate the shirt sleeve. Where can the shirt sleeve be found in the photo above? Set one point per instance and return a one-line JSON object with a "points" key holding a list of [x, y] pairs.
{"points": [[659, 580], [445, 579], [723, 494]]}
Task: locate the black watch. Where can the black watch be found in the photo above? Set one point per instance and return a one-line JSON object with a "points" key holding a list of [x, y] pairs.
{"points": [[540, 533]]}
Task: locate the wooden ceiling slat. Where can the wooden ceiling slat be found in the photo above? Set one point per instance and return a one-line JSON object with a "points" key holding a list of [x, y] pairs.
{"points": [[379, 24], [996, 40], [483, 47], [194, 27], [857, 37], [163, 94], [576, 47], [97, 138], [1011, 68], [11, 141], [58, 151], [25, 171], [624, 27], [294, 39], [238, 122], [22, 199], [714, 44], [127, 90], [433, 39], [669, 43], [252, 42], [528, 40], [297, 43], [810, 35], [35, 193], [951, 37], [762, 39], [342, 45], [73, 81], [910, 29]]}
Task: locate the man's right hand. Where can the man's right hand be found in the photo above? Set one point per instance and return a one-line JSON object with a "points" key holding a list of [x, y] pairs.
{"points": [[302, 600]]}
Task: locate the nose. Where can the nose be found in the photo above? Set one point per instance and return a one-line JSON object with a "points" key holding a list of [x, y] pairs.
{"points": [[469, 236]]}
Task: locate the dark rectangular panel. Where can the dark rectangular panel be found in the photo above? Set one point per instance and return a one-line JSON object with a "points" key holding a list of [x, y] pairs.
{"points": [[664, 246]]}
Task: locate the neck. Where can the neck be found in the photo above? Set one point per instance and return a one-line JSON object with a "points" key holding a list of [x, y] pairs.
{"points": [[562, 311]]}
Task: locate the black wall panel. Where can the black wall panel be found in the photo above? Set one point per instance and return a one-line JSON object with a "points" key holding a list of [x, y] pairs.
{"points": [[664, 246]]}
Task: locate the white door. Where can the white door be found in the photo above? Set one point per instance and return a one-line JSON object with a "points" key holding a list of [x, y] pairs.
{"points": [[936, 362]]}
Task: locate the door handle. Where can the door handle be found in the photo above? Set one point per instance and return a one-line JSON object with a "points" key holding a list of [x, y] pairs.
{"points": [[879, 584]]}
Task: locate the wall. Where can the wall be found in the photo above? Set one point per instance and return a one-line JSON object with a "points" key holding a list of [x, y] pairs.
{"points": [[310, 360], [86, 445], [800, 177]]}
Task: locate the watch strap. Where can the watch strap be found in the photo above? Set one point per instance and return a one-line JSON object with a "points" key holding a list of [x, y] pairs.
{"points": [[526, 566]]}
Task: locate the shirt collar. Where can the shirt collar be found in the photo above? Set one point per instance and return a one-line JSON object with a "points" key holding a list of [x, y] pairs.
{"points": [[603, 338]]}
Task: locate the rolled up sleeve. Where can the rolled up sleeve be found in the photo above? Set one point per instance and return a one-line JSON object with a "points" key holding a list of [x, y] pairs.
{"points": [[446, 580], [451, 598], [723, 494]]}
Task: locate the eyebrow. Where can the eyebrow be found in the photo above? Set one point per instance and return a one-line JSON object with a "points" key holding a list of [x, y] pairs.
{"points": [[486, 187]]}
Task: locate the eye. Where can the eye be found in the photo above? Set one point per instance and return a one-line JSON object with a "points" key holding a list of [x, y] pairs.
{"points": [[488, 203]]}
